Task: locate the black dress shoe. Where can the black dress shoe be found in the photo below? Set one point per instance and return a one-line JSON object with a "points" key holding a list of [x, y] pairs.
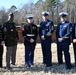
{"points": [[27, 66], [68, 68], [43, 63], [60, 63], [13, 63], [8, 68], [30, 63], [49, 65]]}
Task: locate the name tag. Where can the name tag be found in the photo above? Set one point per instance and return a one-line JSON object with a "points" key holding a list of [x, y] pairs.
{"points": [[65, 26]]}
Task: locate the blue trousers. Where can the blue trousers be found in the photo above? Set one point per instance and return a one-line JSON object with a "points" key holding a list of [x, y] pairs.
{"points": [[74, 47], [29, 54], [47, 55], [65, 48]]}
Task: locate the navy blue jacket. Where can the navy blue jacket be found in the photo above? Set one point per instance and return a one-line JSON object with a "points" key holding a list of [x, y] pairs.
{"points": [[45, 28], [74, 31], [64, 31]]}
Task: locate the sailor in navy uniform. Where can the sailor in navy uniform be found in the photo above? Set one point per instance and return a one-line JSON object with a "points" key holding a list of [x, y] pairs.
{"points": [[74, 40], [45, 32], [63, 33], [30, 36], [1, 44]]}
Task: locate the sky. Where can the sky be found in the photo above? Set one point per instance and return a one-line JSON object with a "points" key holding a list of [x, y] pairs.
{"points": [[18, 3]]}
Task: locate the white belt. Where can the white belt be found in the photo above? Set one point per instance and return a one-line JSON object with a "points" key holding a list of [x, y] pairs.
{"points": [[30, 35]]}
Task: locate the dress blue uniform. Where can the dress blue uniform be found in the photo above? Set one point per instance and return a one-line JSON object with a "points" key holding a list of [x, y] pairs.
{"points": [[29, 32], [74, 37], [46, 29], [64, 32]]}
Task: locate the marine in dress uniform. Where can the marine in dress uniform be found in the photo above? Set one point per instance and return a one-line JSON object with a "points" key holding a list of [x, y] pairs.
{"points": [[30, 36], [45, 32], [1, 44], [74, 40], [11, 37], [63, 33]]}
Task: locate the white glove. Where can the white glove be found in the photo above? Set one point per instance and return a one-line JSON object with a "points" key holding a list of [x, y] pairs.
{"points": [[31, 40], [42, 37]]}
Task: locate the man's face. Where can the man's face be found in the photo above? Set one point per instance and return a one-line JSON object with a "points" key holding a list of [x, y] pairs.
{"points": [[63, 19], [45, 17], [10, 18], [30, 20]]}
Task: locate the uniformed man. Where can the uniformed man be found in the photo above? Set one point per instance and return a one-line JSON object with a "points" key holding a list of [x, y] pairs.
{"points": [[45, 31], [30, 36], [11, 38], [74, 40], [1, 44], [63, 33]]}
